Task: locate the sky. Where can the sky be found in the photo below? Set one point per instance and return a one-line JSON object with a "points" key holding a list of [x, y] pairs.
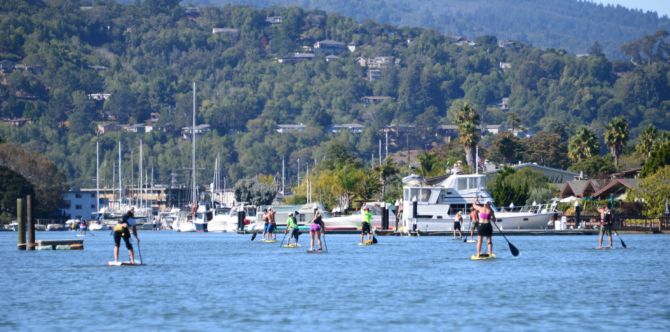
{"points": [[662, 7]]}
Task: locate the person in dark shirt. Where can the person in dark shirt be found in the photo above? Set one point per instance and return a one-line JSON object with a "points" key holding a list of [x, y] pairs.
{"points": [[122, 230]]}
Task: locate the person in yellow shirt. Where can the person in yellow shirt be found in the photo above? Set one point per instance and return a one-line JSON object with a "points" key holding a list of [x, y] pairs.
{"points": [[366, 223]]}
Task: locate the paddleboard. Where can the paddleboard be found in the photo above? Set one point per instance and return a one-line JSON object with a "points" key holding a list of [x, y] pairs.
{"points": [[315, 251], [113, 263], [292, 245], [482, 257], [471, 241], [269, 241], [605, 248], [366, 243]]}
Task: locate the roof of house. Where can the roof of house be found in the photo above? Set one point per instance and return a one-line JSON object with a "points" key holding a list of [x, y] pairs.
{"points": [[615, 185]]}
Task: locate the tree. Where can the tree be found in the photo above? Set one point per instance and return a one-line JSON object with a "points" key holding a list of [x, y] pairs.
{"points": [[251, 191], [387, 170], [645, 142], [468, 131], [653, 190], [547, 148], [428, 164], [47, 180], [616, 136], [510, 186], [594, 167], [506, 148], [659, 158], [584, 144], [12, 186]]}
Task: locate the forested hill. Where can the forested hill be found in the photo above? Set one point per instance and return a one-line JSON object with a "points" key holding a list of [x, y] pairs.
{"points": [[67, 68], [568, 24]]}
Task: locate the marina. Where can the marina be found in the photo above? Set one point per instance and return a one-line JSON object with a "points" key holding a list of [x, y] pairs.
{"points": [[401, 283]]}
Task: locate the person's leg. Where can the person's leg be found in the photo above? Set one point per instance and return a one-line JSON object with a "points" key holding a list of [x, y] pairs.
{"points": [[116, 253], [117, 243], [490, 244], [311, 240], [609, 236], [129, 246], [318, 236], [600, 237], [479, 244]]}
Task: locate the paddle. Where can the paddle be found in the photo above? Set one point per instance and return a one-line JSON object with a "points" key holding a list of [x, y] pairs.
{"points": [[325, 245], [623, 244], [374, 238], [253, 236], [465, 239], [512, 248], [139, 250], [284, 238]]}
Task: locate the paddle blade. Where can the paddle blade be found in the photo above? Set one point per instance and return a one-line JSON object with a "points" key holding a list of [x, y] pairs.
{"points": [[513, 249], [253, 236], [465, 239], [374, 239]]}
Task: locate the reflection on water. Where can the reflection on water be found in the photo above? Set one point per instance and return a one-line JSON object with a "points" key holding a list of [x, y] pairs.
{"points": [[225, 281]]}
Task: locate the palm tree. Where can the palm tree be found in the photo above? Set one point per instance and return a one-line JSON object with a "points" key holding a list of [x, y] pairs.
{"points": [[468, 132], [428, 163], [616, 136], [645, 142], [387, 170], [584, 144]]}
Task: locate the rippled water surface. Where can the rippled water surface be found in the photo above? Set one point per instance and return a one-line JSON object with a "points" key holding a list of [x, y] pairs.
{"points": [[227, 282]]}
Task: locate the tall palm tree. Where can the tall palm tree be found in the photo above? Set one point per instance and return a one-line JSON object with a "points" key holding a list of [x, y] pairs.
{"points": [[584, 144], [428, 163], [616, 136], [468, 132], [645, 142]]}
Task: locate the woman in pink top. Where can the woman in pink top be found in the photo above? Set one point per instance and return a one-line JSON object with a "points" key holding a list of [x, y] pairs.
{"points": [[486, 216]]}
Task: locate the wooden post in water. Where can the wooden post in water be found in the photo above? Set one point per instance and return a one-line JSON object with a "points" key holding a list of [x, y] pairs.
{"points": [[385, 217], [21, 224], [31, 223]]}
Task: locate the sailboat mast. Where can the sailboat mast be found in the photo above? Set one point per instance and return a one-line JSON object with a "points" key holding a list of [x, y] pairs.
{"points": [[120, 178], [141, 177], [193, 193], [97, 176]]}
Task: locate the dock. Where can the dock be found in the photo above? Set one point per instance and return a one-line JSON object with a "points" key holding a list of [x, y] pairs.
{"points": [[59, 244]]}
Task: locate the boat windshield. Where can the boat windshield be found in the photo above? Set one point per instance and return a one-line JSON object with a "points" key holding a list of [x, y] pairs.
{"points": [[420, 194]]}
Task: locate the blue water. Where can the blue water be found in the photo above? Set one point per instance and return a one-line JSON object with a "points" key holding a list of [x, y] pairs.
{"points": [[226, 282]]}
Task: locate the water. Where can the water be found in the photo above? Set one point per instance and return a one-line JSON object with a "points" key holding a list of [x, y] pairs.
{"points": [[226, 282]]}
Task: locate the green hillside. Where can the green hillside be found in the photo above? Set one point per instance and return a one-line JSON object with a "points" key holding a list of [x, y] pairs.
{"points": [[68, 68], [568, 24]]}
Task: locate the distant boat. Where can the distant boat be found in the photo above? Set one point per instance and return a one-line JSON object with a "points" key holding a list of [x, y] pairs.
{"points": [[227, 222], [438, 204]]}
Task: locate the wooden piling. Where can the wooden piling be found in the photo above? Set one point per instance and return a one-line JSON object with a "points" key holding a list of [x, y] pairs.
{"points": [[31, 223], [21, 224]]}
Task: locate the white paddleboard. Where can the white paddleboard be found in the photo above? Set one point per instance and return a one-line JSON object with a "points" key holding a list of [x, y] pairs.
{"points": [[126, 263]]}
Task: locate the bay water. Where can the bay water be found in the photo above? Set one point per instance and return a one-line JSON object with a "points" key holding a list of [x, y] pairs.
{"points": [[208, 281]]}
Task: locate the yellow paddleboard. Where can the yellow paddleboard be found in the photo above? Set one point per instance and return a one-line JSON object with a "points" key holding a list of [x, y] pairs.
{"points": [[112, 263], [269, 241], [292, 245], [482, 257], [366, 243]]}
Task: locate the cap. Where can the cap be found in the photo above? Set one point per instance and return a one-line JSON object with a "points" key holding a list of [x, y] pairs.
{"points": [[366, 208]]}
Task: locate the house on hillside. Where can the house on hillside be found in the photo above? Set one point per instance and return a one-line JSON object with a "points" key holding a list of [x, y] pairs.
{"points": [[330, 47], [291, 128], [17, 122], [108, 127], [7, 66], [581, 188], [296, 57], [350, 127], [616, 188], [274, 19], [99, 96], [139, 128], [199, 130]]}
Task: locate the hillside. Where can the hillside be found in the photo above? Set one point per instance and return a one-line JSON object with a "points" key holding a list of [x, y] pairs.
{"points": [[69, 69], [568, 24]]}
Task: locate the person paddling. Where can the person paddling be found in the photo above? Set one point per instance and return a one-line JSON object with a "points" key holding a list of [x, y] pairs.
{"points": [[292, 227], [486, 216], [605, 226], [83, 227], [122, 230], [366, 217], [272, 224], [266, 224], [315, 230], [458, 220], [474, 222]]}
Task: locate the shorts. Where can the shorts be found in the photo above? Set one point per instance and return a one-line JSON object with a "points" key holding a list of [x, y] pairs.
{"points": [[365, 228], [474, 225], [606, 229], [314, 227], [295, 233], [485, 229], [126, 238], [270, 228], [457, 225]]}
